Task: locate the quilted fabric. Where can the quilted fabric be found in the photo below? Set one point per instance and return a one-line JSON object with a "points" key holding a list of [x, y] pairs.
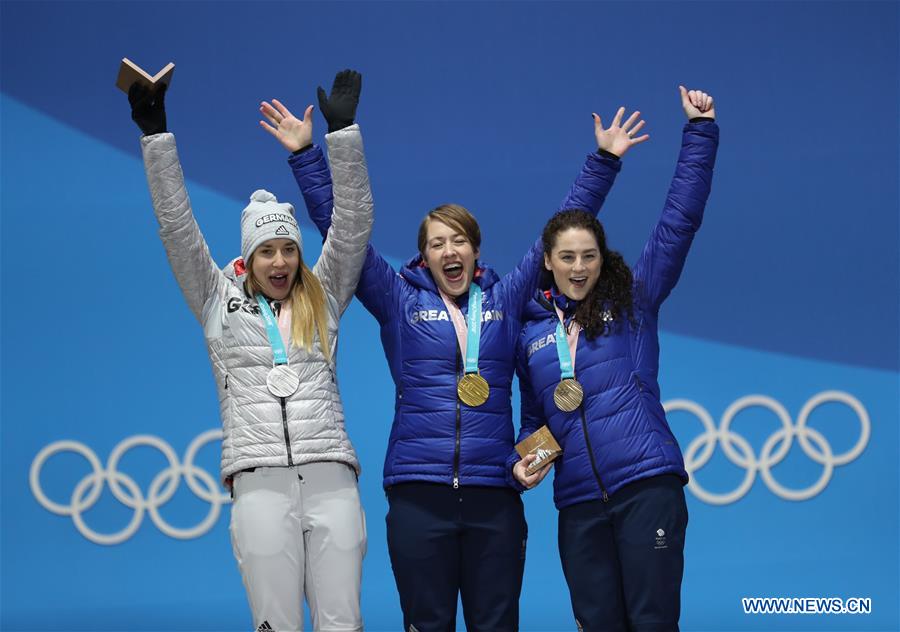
{"points": [[256, 430], [435, 437], [619, 435]]}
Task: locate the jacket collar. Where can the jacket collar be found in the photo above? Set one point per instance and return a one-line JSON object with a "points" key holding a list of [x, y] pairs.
{"points": [[554, 298], [416, 272]]}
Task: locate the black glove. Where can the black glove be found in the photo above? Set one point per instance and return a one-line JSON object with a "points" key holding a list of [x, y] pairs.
{"points": [[148, 107], [339, 109]]}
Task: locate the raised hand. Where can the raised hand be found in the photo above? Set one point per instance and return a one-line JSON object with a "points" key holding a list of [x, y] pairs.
{"points": [[292, 133], [148, 107], [520, 471], [619, 137], [696, 103], [339, 108]]}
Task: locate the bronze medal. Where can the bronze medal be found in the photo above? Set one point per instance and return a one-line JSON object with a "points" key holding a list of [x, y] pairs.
{"points": [[568, 395], [473, 389]]}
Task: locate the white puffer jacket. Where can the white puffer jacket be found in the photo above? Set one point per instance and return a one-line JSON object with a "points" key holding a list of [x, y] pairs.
{"points": [[259, 428]]}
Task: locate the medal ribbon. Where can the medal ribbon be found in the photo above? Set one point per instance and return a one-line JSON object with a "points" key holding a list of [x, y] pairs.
{"points": [[278, 351], [566, 350], [468, 336]]}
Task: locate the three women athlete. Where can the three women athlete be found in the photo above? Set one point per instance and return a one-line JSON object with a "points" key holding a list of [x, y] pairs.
{"points": [[451, 329]]}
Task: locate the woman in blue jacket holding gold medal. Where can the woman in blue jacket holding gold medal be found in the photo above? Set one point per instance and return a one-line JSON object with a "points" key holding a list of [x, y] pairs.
{"points": [[588, 360], [448, 326]]}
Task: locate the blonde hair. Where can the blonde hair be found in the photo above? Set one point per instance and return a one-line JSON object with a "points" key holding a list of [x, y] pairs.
{"points": [[308, 313]]}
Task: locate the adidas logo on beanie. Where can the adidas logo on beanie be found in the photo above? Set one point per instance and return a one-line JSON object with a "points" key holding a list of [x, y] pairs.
{"points": [[264, 219]]}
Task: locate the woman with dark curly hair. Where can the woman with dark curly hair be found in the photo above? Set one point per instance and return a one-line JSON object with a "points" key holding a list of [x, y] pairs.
{"points": [[619, 482]]}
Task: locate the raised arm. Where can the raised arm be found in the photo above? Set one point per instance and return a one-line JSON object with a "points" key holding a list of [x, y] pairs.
{"points": [[588, 193], [295, 135], [344, 251], [310, 167], [306, 159], [613, 143], [662, 260], [378, 284], [194, 268]]}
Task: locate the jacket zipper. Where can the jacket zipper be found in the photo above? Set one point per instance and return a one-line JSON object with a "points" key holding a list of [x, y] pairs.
{"points": [[330, 401], [276, 308], [458, 429], [587, 440], [287, 437]]}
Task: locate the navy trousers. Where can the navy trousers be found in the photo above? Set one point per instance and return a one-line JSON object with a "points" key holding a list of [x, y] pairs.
{"points": [[624, 559], [467, 542]]}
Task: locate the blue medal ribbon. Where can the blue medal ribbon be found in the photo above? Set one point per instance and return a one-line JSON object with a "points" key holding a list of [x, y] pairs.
{"points": [[473, 337], [278, 351], [566, 367]]}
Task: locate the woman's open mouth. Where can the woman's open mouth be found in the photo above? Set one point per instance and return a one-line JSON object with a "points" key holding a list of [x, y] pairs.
{"points": [[279, 281], [453, 272]]}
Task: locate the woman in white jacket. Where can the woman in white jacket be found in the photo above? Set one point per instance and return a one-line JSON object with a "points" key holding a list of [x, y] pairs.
{"points": [[270, 324]]}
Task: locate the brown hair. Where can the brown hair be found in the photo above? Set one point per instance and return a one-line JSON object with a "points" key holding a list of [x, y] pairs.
{"points": [[610, 301], [308, 314], [456, 217]]}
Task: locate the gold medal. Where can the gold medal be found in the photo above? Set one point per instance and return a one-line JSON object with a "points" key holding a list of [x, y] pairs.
{"points": [[473, 389], [568, 395]]}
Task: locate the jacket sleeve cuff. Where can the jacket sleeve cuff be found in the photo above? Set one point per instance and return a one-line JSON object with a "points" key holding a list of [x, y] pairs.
{"points": [[510, 479], [605, 160], [302, 149], [608, 154], [304, 156]]}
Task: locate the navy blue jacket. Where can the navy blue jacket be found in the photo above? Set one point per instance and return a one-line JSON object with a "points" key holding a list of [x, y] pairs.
{"points": [[619, 434], [435, 437]]}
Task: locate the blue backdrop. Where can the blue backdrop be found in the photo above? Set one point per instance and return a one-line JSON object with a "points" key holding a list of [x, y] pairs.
{"points": [[780, 344]]}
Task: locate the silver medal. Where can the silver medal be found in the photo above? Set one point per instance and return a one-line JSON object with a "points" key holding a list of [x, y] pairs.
{"points": [[282, 381]]}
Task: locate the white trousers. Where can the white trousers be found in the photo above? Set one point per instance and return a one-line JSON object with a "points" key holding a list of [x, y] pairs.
{"points": [[300, 531]]}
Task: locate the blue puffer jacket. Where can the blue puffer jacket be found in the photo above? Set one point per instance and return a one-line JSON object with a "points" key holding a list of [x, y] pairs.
{"points": [[619, 434], [435, 437]]}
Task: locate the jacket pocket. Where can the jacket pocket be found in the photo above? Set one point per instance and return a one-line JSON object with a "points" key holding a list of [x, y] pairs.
{"points": [[669, 449]]}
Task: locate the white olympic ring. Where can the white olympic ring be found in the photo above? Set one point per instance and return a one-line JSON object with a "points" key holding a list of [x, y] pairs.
{"points": [[164, 485], [775, 448]]}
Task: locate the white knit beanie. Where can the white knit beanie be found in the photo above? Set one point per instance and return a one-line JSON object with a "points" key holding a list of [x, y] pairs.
{"points": [[264, 219]]}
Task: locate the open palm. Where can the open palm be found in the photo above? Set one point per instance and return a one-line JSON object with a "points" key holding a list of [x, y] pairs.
{"points": [[619, 137], [290, 131]]}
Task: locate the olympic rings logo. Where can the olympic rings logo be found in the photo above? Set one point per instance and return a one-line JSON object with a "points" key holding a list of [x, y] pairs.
{"points": [[774, 450], [126, 491], [698, 454]]}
